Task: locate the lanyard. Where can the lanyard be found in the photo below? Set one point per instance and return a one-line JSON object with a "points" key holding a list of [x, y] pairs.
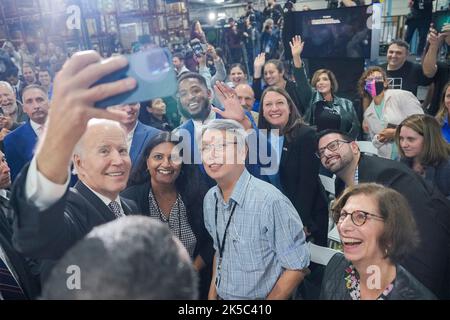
{"points": [[222, 246]]}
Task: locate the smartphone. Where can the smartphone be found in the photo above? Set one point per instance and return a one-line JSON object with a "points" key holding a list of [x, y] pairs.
{"points": [[154, 73], [198, 47]]}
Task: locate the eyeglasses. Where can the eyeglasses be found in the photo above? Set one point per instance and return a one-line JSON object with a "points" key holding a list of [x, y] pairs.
{"points": [[219, 148], [358, 217], [332, 146]]}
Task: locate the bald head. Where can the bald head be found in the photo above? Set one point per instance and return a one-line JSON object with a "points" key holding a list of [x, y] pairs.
{"points": [[246, 95]]}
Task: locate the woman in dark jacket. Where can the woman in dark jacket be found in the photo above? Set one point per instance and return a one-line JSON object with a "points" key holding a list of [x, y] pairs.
{"points": [[377, 230], [167, 190], [298, 174], [274, 76], [423, 148], [323, 108]]}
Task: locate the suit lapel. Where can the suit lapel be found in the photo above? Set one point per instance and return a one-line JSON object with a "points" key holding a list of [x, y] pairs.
{"points": [[95, 201]]}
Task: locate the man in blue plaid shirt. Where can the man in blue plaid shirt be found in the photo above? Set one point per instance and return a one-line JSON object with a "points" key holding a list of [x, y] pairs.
{"points": [[260, 245]]}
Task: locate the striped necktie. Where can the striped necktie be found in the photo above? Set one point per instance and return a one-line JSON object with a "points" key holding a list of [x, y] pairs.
{"points": [[9, 288]]}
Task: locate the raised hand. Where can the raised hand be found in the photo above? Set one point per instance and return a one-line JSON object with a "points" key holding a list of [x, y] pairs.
{"points": [[296, 46], [229, 100], [259, 63]]}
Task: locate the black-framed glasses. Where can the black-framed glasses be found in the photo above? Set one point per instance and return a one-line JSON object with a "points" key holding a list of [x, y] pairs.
{"points": [[332, 146], [358, 217]]}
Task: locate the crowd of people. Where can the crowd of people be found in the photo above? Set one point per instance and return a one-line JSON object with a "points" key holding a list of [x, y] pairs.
{"points": [[215, 193]]}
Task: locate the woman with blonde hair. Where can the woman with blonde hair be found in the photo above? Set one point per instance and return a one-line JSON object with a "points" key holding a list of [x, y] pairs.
{"points": [[423, 149], [444, 111]]}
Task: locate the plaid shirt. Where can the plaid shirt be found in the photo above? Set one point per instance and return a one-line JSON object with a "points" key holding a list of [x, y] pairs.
{"points": [[264, 238]]}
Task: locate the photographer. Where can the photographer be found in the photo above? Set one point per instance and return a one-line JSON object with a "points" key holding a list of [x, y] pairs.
{"points": [[233, 40], [273, 11], [251, 39]]}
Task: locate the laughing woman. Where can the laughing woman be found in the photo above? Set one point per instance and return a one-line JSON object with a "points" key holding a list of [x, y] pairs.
{"points": [[163, 187], [298, 167], [377, 230]]}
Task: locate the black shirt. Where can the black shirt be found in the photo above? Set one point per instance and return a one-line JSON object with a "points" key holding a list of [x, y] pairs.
{"points": [[422, 9], [408, 77]]}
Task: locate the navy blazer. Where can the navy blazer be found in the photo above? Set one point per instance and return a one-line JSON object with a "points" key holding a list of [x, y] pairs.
{"points": [[142, 135], [19, 148]]}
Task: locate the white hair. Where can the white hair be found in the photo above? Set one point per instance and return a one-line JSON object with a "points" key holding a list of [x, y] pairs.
{"points": [[7, 85], [229, 126], [78, 150]]}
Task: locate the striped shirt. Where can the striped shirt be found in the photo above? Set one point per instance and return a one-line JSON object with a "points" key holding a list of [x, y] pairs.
{"points": [[264, 238]]}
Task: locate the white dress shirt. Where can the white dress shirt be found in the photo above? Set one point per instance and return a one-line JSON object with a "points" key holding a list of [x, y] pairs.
{"points": [[130, 136]]}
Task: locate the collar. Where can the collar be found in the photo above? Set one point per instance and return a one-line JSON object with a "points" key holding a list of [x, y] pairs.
{"points": [[239, 191], [35, 126], [3, 193], [104, 199]]}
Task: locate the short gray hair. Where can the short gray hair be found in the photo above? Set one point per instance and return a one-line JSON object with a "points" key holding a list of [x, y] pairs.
{"points": [[227, 125]]}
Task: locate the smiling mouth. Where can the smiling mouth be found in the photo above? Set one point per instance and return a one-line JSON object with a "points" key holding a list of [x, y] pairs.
{"points": [[165, 172], [115, 174]]}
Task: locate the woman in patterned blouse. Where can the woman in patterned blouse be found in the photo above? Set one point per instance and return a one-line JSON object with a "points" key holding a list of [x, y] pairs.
{"points": [[167, 190], [377, 230]]}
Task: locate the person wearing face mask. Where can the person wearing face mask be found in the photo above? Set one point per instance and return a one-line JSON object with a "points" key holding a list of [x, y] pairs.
{"points": [[388, 107], [323, 108]]}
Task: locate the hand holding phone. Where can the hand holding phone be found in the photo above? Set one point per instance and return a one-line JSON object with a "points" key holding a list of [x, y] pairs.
{"points": [[154, 73]]}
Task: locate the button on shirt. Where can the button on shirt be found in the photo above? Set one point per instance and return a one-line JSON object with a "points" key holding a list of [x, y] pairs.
{"points": [[264, 238]]}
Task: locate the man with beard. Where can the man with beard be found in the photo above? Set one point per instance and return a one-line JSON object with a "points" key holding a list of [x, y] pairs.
{"points": [[430, 262], [19, 144], [9, 105]]}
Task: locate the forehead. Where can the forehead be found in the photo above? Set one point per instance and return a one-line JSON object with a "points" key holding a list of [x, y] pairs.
{"points": [[211, 135], [164, 147], [329, 138], [361, 202], [375, 74], [34, 93], [408, 131], [323, 75], [270, 67], [189, 83], [244, 91], [44, 73], [5, 90], [397, 48], [157, 101], [236, 70], [99, 135], [272, 95], [27, 69]]}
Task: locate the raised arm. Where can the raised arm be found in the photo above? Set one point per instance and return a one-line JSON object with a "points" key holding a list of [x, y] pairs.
{"points": [[304, 89]]}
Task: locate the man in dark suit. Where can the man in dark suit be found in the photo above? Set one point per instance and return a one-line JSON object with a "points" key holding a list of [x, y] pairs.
{"points": [[19, 145], [16, 278], [50, 218], [138, 134], [430, 261]]}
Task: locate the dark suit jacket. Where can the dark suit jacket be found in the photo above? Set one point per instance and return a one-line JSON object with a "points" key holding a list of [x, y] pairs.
{"points": [[299, 176], [50, 233], [28, 281], [19, 148], [142, 135], [430, 262]]}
